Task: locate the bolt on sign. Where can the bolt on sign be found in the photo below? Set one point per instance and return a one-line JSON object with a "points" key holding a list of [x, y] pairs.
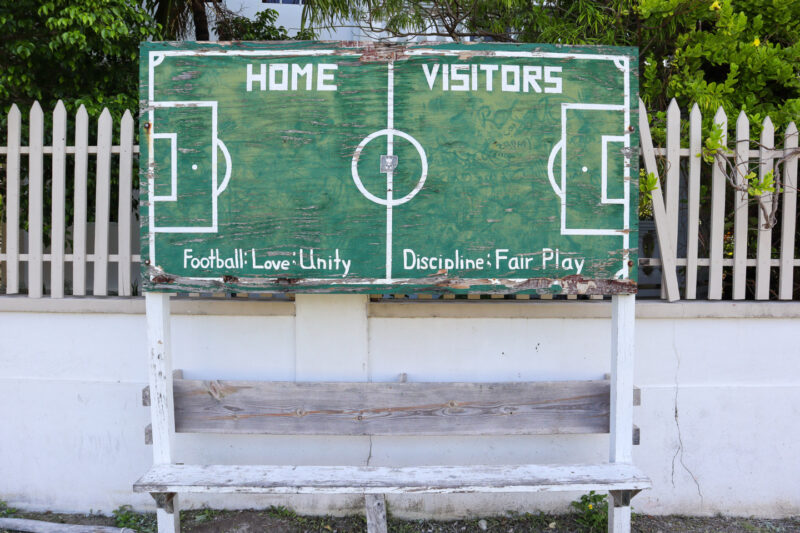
{"points": [[325, 167]]}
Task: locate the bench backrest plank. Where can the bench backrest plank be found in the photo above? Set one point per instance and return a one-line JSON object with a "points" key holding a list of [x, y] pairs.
{"points": [[321, 408]]}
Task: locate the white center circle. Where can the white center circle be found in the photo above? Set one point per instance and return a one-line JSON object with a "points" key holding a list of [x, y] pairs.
{"points": [[386, 201]]}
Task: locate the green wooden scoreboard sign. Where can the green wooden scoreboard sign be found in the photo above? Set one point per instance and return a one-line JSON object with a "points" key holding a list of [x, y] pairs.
{"points": [[332, 167]]}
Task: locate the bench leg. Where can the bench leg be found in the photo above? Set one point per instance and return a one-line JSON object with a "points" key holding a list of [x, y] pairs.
{"points": [[376, 513], [168, 513]]}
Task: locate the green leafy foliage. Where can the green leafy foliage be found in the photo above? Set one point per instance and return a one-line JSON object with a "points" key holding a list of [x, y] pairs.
{"points": [[592, 512], [6, 511], [738, 54], [648, 182], [79, 51], [232, 27], [125, 516], [714, 145]]}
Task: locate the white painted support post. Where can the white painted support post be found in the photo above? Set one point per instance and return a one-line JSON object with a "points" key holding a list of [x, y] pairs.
{"points": [[162, 412], [623, 322]]}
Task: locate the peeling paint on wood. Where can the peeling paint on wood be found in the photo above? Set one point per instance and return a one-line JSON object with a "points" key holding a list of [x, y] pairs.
{"points": [[344, 167], [269, 479]]}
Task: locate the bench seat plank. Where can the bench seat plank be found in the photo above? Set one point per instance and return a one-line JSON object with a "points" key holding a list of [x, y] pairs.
{"points": [[291, 408], [388, 480]]}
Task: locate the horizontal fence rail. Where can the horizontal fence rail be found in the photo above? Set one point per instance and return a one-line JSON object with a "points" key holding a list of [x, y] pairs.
{"points": [[709, 232]]}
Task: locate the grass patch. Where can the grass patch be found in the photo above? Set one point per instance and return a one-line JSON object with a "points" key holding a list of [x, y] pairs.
{"points": [[125, 516], [6, 511]]}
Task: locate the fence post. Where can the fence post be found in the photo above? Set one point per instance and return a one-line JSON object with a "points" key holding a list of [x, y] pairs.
{"points": [[673, 177], [58, 201], [124, 210], [788, 223], [693, 214], [12, 201], [717, 216], [35, 200], [740, 206], [659, 214], [79, 212], [102, 201], [764, 250]]}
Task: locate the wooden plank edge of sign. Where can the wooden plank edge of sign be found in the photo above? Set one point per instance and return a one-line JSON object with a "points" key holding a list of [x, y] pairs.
{"points": [[156, 280]]}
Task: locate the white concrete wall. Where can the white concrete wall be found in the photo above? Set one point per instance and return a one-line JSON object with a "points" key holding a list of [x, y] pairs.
{"points": [[720, 394]]}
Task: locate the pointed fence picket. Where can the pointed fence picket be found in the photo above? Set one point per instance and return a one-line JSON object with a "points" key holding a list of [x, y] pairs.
{"points": [[79, 217], [721, 253], [764, 243], [789, 218], [693, 198], [58, 213], [35, 200], [740, 206], [12, 200]]}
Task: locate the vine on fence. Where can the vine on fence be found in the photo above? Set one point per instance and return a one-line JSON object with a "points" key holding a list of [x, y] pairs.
{"points": [[742, 179]]}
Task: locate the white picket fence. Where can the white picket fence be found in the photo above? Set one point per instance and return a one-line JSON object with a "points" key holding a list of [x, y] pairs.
{"points": [[666, 208], [80, 151]]}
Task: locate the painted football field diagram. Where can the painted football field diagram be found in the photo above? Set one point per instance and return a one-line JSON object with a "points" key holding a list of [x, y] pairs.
{"points": [[447, 168]]}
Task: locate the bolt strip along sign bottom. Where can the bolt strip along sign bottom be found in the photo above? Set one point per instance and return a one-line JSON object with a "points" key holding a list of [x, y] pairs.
{"points": [[326, 167]]}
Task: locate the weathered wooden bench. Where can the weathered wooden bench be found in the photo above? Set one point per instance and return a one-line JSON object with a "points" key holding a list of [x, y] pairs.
{"points": [[290, 408]]}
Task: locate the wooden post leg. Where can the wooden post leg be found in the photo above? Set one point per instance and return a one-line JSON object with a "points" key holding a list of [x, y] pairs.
{"points": [[376, 513], [162, 411], [623, 319], [619, 511], [169, 522]]}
